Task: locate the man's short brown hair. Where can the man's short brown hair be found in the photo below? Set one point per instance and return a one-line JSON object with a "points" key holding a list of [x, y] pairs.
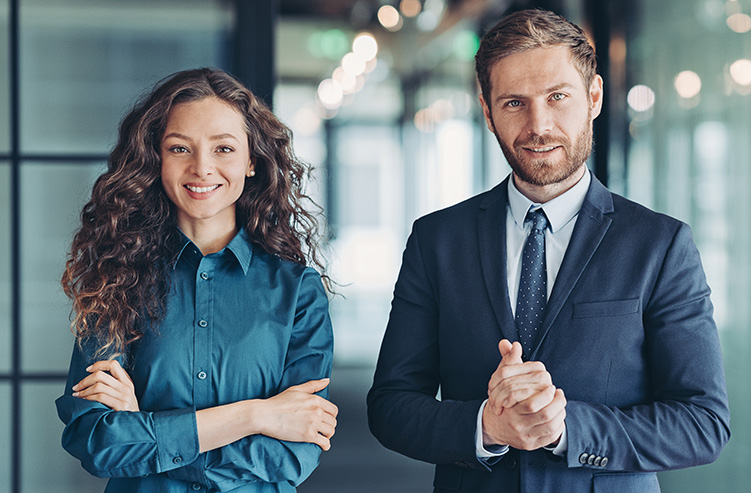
{"points": [[528, 29]]}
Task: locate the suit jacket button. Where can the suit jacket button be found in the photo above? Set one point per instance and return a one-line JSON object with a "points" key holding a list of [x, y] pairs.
{"points": [[598, 459], [604, 462], [509, 463], [591, 459], [583, 458]]}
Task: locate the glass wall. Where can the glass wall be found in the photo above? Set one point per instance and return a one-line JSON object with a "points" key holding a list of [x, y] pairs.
{"points": [[4, 78], [52, 196], [81, 65], [83, 62], [687, 104], [407, 139], [5, 267]]}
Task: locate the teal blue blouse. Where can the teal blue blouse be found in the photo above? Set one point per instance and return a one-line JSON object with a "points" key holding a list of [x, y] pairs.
{"points": [[240, 324]]}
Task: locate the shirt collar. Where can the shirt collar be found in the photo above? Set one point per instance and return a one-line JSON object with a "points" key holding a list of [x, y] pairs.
{"points": [[239, 246], [559, 211]]}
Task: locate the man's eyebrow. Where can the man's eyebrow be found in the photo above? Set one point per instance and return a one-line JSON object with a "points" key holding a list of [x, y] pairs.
{"points": [[557, 87]]}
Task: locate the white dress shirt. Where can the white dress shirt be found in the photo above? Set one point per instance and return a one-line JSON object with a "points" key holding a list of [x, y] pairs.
{"points": [[562, 213]]}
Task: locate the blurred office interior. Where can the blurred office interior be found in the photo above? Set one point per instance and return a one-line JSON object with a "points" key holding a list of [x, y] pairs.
{"points": [[380, 95]]}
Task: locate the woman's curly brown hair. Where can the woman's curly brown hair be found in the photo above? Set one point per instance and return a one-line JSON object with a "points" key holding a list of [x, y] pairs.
{"points": [[115, 269]]}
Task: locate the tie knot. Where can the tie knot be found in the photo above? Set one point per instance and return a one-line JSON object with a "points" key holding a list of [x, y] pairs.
{"points": [[538, 219]]}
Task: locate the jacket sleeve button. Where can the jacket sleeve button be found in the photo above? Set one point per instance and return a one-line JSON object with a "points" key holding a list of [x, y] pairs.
{"points": [[583, 458], [604, 462]]}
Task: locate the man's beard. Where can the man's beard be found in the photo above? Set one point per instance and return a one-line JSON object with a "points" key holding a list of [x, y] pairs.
{"points": [[541, 172]]}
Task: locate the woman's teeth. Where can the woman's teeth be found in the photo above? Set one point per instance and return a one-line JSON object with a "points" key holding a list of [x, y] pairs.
{"points": [[201, 189]]}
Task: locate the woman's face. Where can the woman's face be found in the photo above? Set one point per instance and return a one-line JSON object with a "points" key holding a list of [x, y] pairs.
{"points": [[205, 160]]}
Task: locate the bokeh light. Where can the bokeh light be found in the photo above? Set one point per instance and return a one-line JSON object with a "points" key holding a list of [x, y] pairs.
{"points": [[740, 72], [353, 64], [330, 94], [389, 18], [739, 22], [365, 46], [687, 84], [641, 98], [410, 8]]}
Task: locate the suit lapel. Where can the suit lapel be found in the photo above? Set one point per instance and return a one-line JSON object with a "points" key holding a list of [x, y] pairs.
{"points": [[491, 232], [591, 226]]}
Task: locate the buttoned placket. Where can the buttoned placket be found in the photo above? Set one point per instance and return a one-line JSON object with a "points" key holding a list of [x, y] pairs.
{"points": [[202, 330]]}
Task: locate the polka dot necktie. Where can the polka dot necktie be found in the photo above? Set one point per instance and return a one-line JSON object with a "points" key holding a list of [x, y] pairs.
{"points": [[530, 304]]}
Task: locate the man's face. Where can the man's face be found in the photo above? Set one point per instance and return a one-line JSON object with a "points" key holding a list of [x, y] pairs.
{"points": [[541, 113]]}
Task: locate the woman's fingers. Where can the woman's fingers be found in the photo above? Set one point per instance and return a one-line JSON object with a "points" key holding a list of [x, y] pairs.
{"points": [[311, 386], [108, 384], [298, 415]]}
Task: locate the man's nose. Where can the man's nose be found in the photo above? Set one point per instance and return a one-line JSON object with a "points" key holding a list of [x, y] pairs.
{"points": [[540, 119]]}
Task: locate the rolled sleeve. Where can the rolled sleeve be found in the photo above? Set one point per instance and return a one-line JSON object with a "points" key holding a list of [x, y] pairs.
{"points": [[176, 437]]}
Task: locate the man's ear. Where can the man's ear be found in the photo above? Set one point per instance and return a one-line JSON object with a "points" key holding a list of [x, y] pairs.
{"points": [[596, 95]]}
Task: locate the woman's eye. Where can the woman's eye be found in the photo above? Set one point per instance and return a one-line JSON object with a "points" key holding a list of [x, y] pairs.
{"points": [[177, 149], [224, 149]]}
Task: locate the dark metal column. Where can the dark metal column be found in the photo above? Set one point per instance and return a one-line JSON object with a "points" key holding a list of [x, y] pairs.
{"points": [[598, 14], [253, 46]]}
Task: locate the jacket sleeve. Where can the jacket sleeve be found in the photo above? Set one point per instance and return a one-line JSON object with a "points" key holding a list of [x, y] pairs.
{"points": [[403, 411], [123, 444], [686, 421], [258, 457]]}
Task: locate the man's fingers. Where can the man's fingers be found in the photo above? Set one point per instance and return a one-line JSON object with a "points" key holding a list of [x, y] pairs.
{"points": [[533, 371], [513, 355], [530, 397], [531, 400], [504, 347]]}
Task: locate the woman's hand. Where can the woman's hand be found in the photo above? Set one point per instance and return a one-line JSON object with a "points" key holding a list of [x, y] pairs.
{"points": [[298, 415], [108, 384]]}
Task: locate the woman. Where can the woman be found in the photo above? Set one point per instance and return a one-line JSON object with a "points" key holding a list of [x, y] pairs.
{"points": [[203, 334]]}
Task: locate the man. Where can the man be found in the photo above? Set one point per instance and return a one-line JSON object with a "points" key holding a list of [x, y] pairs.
{"points": [[597, 309]]}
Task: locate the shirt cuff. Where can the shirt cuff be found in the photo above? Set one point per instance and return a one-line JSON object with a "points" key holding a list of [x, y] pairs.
{"points": [[562, 447], [486, 454], [176, 437]]}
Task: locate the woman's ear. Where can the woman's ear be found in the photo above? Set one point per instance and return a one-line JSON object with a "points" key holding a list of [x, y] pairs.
{"points": [[251, 168]]}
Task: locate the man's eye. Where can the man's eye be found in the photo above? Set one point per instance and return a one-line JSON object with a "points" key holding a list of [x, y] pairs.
{"points": [[558, 96], [514, 104]]}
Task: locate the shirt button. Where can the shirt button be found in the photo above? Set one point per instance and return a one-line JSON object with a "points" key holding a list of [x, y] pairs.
{"points": [[201, 375], [195, 486], [204, 275], [203, 323], [177, 460]]}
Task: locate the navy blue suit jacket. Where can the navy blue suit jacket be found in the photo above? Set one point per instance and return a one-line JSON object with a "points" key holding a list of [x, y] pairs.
{"points": [[628, 335]]}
